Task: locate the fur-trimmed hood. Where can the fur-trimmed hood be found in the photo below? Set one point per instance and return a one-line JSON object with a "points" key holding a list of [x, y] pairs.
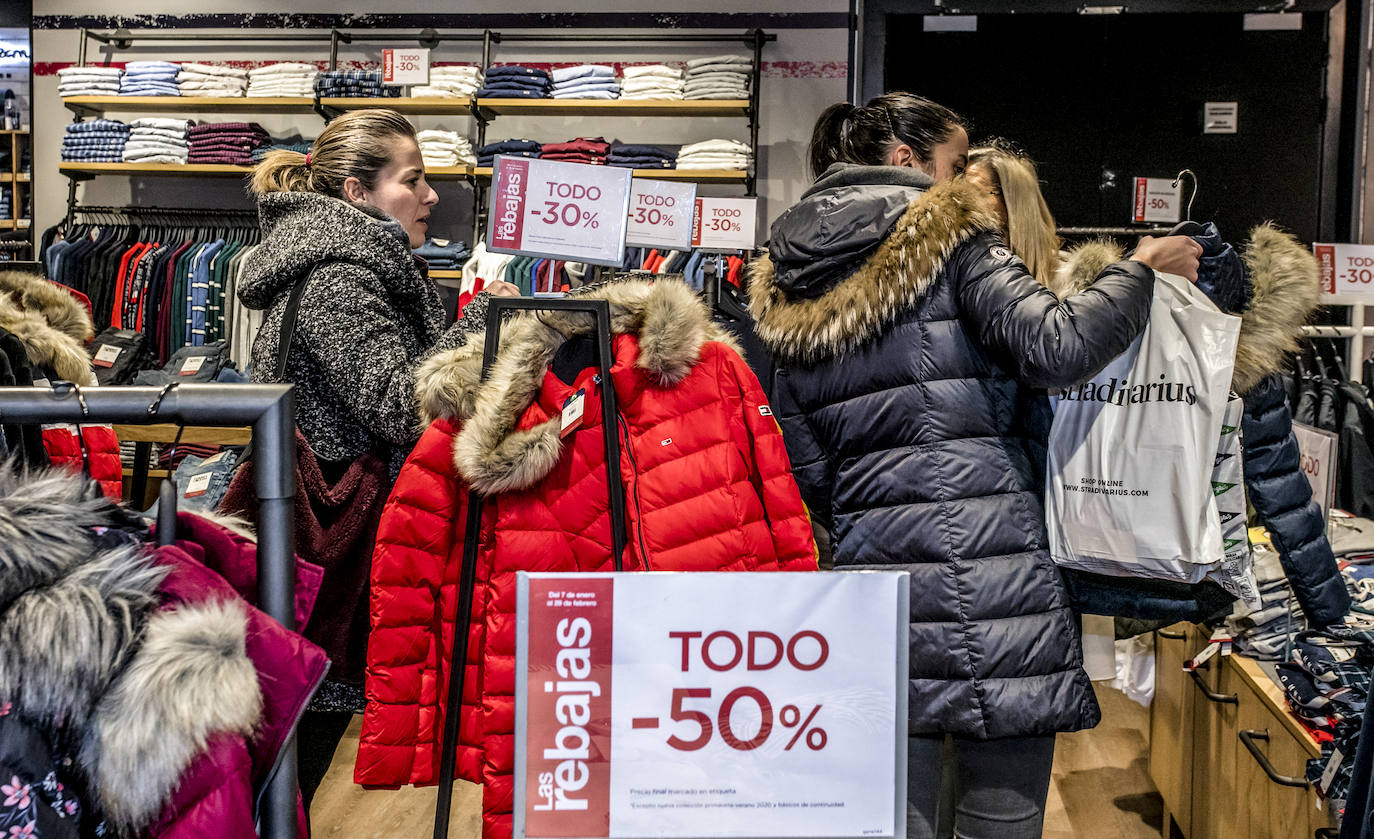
{"points": [[85, 650], [492, 453], [53, 326], [1285, 291], [890, 279]]}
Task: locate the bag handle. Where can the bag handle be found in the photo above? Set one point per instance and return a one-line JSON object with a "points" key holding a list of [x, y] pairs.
{"points": [[288, 326]]}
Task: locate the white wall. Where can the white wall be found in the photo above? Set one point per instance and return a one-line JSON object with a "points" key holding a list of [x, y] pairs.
{"points": [[804, 72]]}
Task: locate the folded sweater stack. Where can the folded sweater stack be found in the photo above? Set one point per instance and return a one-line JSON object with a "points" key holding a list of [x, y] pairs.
{"points": [[719, 77], [212, 80], [355, 84], [150, 78], [445, 148], [640, 156], [510, 148], [590, 150], [88, 81], [516, 82], [97, 141], [157, 140], [586, 81], [714, 154], [227, 142], [652, 81], [450, 81], [286, 79]]}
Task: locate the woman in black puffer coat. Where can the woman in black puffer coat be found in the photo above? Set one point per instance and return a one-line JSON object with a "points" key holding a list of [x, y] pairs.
{"points": [[907, 337]]}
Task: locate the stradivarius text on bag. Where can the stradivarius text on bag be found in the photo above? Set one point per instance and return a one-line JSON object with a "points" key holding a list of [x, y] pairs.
{"points": [[1121, 392]]}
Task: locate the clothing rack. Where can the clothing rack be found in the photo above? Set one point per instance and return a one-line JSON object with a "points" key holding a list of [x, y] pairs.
{"points": [[1113, 231], [270, 409], [1355, 333], [600, 310], [166, 213]]}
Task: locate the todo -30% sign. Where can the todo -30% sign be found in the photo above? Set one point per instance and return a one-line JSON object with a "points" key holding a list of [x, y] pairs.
{"points": [[559, 210], [711, 705], [661, 214], [729, 655], [1346, 269], [725, 224]]}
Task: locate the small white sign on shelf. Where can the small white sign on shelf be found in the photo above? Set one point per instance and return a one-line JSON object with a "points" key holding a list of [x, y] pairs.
{"points": [[407, 66], [661, 214], [1317, 458], [1346, 270], [725, 224]]}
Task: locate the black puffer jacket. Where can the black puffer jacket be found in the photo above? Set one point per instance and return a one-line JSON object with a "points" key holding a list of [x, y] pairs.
{"points": [[903, 383], [368, 317]]}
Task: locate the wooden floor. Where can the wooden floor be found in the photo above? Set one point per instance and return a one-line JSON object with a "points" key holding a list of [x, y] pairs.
{"points": [[1101, 788]]}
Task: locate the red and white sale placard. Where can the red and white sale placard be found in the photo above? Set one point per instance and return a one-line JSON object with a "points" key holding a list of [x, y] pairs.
{"points": [[661, 214], [711, 705], [1347, 270], [1158, 200], [725, 224], [570, 211], [407, 66]]}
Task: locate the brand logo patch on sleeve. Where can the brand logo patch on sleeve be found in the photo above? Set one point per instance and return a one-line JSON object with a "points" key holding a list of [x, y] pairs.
{"points": [[765, 411], [1000, 252]]}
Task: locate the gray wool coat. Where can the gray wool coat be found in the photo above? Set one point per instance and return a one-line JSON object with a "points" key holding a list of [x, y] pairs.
{"points": [[367, 318]]}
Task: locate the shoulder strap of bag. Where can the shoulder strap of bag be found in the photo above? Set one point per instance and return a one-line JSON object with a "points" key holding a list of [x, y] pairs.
{"points": [[288, 326]]}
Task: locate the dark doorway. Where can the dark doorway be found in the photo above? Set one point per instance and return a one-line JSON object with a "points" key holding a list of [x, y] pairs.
{"points": [[1097, 100]]}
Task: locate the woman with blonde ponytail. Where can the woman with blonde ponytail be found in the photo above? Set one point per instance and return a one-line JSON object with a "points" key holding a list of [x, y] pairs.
{"points": [[1012, 186], [338, 226]]}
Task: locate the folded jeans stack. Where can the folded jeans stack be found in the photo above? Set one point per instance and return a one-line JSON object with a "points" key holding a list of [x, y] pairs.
{"points": [[295, 143], [590, 150], [510, 148], [652, 81], [6, 199], [640, 156], [97, 141], [445, 148], [150, 78], [585, 81], [516, 82], [157, 140], [227, 142], [714, 154], [292, 79], [88, 81], [450, 81], [354, 84], [719, 77], [443, 254], [212, 80]]}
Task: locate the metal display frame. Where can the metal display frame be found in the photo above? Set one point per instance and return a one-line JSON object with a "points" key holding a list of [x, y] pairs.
{"points": [[600, 310], [271, 410]]}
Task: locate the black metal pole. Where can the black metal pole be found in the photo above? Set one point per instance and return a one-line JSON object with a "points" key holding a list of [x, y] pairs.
{"points": [[752, 186], [453, 709], [271, 411]]}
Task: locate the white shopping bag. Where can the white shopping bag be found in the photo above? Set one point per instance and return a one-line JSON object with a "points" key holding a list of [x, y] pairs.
{"points": [[1131, 452]]}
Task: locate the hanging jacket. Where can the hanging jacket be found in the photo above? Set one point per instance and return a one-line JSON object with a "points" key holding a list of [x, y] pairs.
{"points": [[1274, 294], [54, 327], [906, 338], [170, 691], [707, 488]]}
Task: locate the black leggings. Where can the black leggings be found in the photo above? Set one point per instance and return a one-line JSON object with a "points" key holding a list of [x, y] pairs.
{"points": [[996, 789]]}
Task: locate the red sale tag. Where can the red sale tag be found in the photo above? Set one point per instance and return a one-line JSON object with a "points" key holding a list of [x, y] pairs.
{"points": [[1158, 200]]}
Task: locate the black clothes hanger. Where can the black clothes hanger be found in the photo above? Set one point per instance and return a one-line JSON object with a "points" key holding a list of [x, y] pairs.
{"points": [[168, 492]]}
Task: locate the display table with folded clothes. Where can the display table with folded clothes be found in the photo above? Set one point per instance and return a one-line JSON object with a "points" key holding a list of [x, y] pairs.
{"points": [[516, 82]]}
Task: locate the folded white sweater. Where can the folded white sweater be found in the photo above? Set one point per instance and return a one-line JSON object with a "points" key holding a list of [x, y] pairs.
{"points": [[660, 70]]}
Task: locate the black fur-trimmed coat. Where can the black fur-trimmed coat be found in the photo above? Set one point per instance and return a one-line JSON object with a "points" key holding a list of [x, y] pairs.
{"points": [[904, 376]]}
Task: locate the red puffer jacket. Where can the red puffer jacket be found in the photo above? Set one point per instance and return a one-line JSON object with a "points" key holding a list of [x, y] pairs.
{"points": [[708, 488]]}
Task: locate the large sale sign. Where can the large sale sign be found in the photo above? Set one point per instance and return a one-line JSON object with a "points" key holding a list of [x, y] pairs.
{"points": [[559, 210], [706, 704]]}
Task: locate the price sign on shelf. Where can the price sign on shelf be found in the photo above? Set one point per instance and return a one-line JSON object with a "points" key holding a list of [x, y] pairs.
{"points": [[1158, 200], [409, 66], [1346, 269], [559, 210], [661, 214], [777, 710], [725, 224]]}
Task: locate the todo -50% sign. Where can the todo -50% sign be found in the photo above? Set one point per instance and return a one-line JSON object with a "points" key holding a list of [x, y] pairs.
{"points": [[711, 705], [728, 656]]}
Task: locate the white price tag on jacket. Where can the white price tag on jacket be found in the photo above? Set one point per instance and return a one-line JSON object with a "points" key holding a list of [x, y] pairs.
{"points": [[559, 210], [106, 355], [198, 485], [1158, 200], [1346, 270], [725, 224], [661, 214], [408, 66], [192, 365]]}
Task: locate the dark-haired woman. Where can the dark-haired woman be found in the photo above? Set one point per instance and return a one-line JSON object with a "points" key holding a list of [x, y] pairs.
{"points": [[909, 342]]}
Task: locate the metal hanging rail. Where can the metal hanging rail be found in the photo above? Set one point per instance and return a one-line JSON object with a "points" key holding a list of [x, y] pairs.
{"points": [[270, 409]]}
